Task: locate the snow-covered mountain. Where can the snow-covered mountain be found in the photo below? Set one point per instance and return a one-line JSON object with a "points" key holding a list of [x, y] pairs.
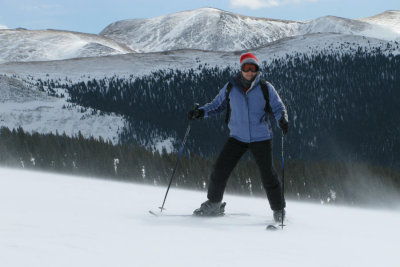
{"points": [[217, 30], [56, 220], [24, 106], [138, 64], [205, 29], [331, 24], [202, 29], [389, 19], [41, 45]]}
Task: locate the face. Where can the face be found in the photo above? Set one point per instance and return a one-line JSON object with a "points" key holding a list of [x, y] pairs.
{"points": [[249, 71]]}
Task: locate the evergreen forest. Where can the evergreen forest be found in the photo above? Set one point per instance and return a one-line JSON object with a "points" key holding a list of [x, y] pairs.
{"points": [[326, 182]]}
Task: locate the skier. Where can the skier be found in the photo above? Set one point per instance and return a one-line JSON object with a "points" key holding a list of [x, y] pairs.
{"points": [[245, 97]]}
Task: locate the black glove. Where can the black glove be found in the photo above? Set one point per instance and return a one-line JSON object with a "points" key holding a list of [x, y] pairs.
{"points": [[196, 114], [284, 123]]}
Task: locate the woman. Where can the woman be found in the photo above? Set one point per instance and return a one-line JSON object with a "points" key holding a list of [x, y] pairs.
{"points": [[245, 97]]}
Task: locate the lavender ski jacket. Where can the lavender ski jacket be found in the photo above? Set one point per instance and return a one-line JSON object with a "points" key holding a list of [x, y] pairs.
{"points": [[248, 121]]}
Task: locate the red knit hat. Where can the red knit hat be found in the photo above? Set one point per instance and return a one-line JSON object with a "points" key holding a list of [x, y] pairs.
{"points": [[248, 58]]}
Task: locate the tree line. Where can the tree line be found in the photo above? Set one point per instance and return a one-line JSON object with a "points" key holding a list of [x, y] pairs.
{"points": [[322, 181]]}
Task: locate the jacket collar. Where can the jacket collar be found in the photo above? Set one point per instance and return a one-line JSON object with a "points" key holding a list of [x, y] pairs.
{"points": [[235, 80]]}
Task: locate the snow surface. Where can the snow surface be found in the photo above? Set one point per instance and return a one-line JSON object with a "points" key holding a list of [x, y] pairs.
{"points": [[55, 220], [37, 45], [35, 111], [204, 28], [389, 19]]}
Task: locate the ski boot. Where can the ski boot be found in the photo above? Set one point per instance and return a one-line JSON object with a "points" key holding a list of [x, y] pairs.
{"points": [[278, 214], [209, 208]]}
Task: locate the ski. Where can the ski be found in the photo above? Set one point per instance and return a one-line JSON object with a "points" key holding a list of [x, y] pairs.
{"points": [[274, 226], [158, 214], [154, 213]]}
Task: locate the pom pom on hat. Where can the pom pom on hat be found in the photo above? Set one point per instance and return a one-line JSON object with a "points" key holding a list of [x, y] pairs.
{"points": [[248, 58]]}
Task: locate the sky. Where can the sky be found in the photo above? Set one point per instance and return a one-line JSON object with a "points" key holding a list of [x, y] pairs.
{"points": [[92, 16]]}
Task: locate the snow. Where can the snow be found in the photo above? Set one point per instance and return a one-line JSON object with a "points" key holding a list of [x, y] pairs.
{"points": [[203, 29], [41, 45], [365, 28], [35, 111], [167, 144], [56, 220], [138, 64], [217, 30], [389, 19]]}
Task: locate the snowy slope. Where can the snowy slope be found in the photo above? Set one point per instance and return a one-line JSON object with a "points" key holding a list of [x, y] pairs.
{"points": [[54, 220], [37, 45], [348, 26], [144, 63], [33, 110], [389, 19], [205, 28], [217, 30]]}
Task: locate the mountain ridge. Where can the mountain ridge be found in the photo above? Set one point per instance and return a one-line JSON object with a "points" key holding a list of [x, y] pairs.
{"points": [[254, 30], [204, 29], [37, 45]]}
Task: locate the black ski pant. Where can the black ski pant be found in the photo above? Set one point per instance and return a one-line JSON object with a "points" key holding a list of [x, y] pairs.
{"points": [[231, 153]]}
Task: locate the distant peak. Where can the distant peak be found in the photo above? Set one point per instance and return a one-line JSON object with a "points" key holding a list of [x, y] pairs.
{"points": [[387, 13], [208, 8]]}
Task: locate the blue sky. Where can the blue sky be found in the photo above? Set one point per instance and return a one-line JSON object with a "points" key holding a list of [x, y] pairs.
{"points": [[91, 16]]}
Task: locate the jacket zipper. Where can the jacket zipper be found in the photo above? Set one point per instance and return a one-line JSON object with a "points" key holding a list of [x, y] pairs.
{"points": [[248, 116], [248, 108]]}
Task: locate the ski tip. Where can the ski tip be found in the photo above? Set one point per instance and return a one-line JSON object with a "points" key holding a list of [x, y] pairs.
{"points": [[275, 226], [153, 213], [272, 227]]}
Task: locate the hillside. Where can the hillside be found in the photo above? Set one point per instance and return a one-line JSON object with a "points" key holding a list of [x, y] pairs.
{"points": [[139, 64], [42, 45], [207, 29], [388, 19], [217, 30], [27, 105]]}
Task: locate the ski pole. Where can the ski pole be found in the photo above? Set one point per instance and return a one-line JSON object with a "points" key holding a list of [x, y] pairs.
{"points": [[283, 180], [177, 161]]}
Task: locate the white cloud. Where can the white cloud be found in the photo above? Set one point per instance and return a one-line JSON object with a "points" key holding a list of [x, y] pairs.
{"points": [[257, 4]]}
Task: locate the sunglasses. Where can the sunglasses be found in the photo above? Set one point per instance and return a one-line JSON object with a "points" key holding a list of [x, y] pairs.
{"points": [[249, 67]]}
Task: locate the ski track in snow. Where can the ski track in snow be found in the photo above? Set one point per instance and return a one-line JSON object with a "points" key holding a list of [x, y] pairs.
{"points": [[55, 220]]}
